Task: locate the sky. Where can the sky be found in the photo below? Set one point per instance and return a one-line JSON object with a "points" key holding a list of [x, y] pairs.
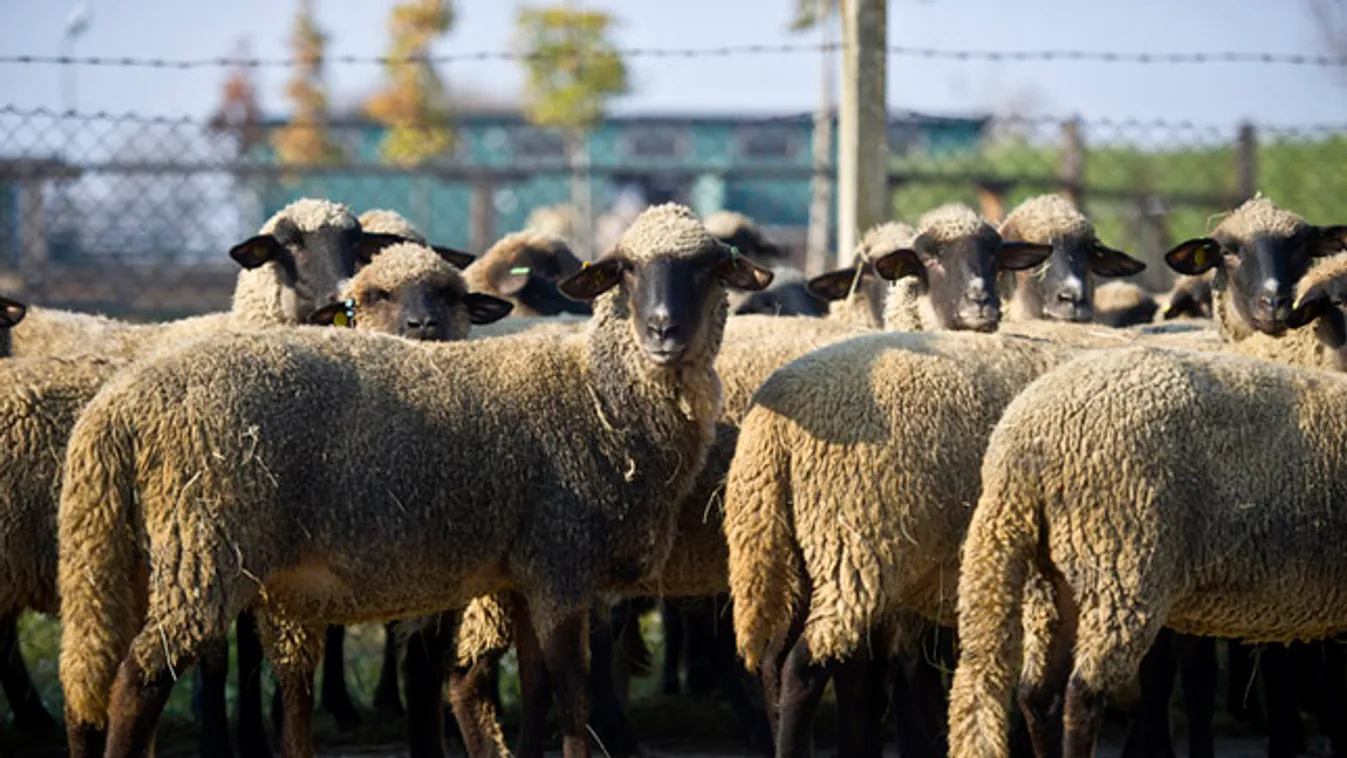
{"points": [[1213, 94]]}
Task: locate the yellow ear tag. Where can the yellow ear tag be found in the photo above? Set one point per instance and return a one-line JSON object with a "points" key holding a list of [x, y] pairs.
{"points": [[346, 317], [341, 319]]}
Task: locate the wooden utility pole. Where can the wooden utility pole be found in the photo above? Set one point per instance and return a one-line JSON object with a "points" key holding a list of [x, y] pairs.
{"points": [[818, 254], [1247, 162], [862, 125]]}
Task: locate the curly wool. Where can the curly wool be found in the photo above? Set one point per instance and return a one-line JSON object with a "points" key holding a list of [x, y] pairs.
{"points": [[250, 415], [1123, 304], [808, 522], [952, 221], [383, 221], [1045, 218], [907, 307], [1206, 478], [865, 304]]}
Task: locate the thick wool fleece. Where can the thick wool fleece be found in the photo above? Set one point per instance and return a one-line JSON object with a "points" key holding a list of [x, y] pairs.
{"points": [[263, 296], [544, 255], [40, 398], [907, 307], [1169, 488], [552, 467], [1123, 304], [843, 499]]}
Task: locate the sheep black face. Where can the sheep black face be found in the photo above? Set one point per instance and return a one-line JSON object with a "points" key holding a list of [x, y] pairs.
{"points": [[537, 292], [669, 296], [315, 261], [792, 299], [1193, 301], [837, 285], [959, 275], [11, 312], [1064, 287], [1259, 272]]}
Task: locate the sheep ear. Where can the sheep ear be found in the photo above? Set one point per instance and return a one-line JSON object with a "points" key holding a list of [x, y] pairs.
{"points": [[1316, 302], [11, 312], [1184, 304], [1194, 257], [1332, 329], [456, 258], [333, 314], [741, 273], [1329, 240], [1108, 262], [512, 280], [1017, 256], [256, 251], [898, 264], [835, 285], [593, 279], [485, 309]]}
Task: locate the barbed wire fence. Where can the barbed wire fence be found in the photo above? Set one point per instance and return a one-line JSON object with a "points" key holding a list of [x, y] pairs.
{"points": [[131, 214]]}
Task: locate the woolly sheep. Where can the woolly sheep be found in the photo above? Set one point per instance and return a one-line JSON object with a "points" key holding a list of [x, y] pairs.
{"points": [[1063, 288], [951, 280], [500, 479], [856, 294], [523, 268], [1257, 254], [1123, 304], [1174, 534], [291, 267], [843, 509], [788, 296], [746, 236], [392, 223], [1190, 297], [767, 343]]}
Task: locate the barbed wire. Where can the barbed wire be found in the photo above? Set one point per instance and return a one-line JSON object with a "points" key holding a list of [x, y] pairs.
{"points": [[903, 51]]}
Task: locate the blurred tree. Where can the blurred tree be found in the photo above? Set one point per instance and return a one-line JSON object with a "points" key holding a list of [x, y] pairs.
{"points": [[810, 13], [238, 114], [305, 140], [572, 70], [412, 103]]}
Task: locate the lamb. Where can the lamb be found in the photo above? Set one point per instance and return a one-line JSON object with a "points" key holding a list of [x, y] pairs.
{"points": [[844, 511], [523, 268], [1121, 304], [498, 477], [1063, 288], [950, 257], [291, 267], [1174, 533], [11, 313]]}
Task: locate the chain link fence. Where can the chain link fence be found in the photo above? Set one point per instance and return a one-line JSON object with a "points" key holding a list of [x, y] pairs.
{"points": [[132, 216]]}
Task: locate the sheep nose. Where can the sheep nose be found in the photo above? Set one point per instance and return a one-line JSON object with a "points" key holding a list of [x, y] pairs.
{"points": [[1277, 304], [661, 327]]}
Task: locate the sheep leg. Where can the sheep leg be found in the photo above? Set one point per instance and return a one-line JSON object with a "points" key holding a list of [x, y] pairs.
{"points": [[564, 651], [137, 700], [470, 696], [84, 740], [386, 699], [861, 701], [251, 735], [295, 653], [336, 697], [1240, 701], [1197, 671], [672, 617], [1150, 735], [534, 685], [802, 684], [424, 675], [24, 701], [773, 662], [1047, 667], [1082, 715], [918, 703], [731, 680], [212, 674], [1285, 733], [610, 723]]}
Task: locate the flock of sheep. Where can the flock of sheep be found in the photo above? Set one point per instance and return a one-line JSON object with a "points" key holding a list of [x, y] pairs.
{"points": [[965, 437]]}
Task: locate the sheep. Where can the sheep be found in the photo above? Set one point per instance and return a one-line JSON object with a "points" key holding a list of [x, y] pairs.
{"points": [[1123, 304], [844, 506], [789, 295], [785, 296], [948, 239], [1063, 288], [491, 493], [856, 294], [291, 267], [744, 234], [1173, 535], [11, 313], [523, 268], [1190, 297]]}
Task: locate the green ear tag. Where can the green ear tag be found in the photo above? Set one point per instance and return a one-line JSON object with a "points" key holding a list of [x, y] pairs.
{"points": [[734, 256], [521, 270]]}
